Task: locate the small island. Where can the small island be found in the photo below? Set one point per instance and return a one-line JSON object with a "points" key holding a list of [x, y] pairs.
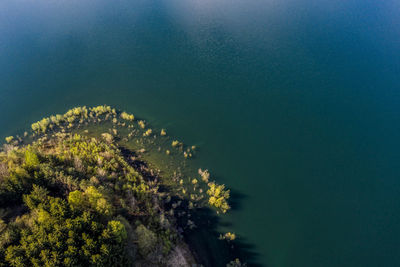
{"points": [[99, 187]]}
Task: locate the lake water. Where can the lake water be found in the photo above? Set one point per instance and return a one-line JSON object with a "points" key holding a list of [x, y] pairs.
{"points": [[295, 105]]}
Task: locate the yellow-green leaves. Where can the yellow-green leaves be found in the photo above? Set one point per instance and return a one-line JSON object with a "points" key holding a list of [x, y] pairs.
{"points": [[147, 240], [176, 143], [76, 199], [127, 116], [218, 196], [90, 198], [101, 110], [108, 137], [117, 230], [142, 124], [31, 159], [41, 126], [228, 236], [148, 132]]}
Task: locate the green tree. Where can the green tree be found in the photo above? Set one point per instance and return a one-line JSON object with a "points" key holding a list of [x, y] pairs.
{"points": [[31, 159], [147, 240], [76, 200], [37, 196]]}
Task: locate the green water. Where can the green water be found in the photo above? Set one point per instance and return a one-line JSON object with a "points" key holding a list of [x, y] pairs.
{"points": [[294, 104]]}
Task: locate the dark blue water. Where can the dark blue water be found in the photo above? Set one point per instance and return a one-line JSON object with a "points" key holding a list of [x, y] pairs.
{"points": [[294, 104]]}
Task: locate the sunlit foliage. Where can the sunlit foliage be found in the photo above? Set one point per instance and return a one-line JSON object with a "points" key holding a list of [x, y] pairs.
{"points": [[80, 200], [218, 196], [228, 236], [141, 124], [126, 116], [148, 132]]}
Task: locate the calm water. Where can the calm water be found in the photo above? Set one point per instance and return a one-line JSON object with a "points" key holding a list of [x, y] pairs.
{"points": [[295, 105]]}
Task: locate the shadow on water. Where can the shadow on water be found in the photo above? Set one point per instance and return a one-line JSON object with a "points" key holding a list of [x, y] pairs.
{"points": [[203, 239], [236, 199], [209, 249]]}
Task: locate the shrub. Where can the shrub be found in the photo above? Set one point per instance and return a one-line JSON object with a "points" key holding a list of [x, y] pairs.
{"points": [[108, 137], [148, 132], [205, 175], [142, 124], [117, 230], [100, 110], [176, 143], [147, 240], [126, 116], [218, 196], [31, 159], [41, 126], [228, 236]]}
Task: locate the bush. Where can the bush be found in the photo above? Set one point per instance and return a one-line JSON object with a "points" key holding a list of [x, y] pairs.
{"points": [[148, 132], [218, 197], [31, 159], [147, 240], [176, 143], [141, 124], [126, 116]]}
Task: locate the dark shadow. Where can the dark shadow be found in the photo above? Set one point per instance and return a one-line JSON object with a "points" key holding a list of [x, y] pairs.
{"points": [[204, 240], [199, 226], [236, 198]]}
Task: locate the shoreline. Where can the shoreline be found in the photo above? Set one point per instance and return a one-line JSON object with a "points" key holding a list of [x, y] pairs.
{"points": [[181, 198]]}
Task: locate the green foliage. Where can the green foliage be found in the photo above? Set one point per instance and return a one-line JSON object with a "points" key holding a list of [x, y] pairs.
{"points": [[176, 143], [218, 196], [41, 126], [31, 159], [115, 230], [98, 201], [38, 196], [53, 235], [126, 116], [108, 137], [101, 110], [142, 124], [228, 236], [147, 240], [57, 119], [91, 198], [74, 200], [74, 115], [76, 230], [148, 132]]}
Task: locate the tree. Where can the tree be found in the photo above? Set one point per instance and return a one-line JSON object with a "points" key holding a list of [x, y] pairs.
{"points": [[218, 196], [117, 231], [147, 240], [31, 159], [76, 200], [37, 196]]}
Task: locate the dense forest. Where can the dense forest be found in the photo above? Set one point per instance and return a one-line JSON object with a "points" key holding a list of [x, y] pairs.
{"points": [[74, 199]]}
